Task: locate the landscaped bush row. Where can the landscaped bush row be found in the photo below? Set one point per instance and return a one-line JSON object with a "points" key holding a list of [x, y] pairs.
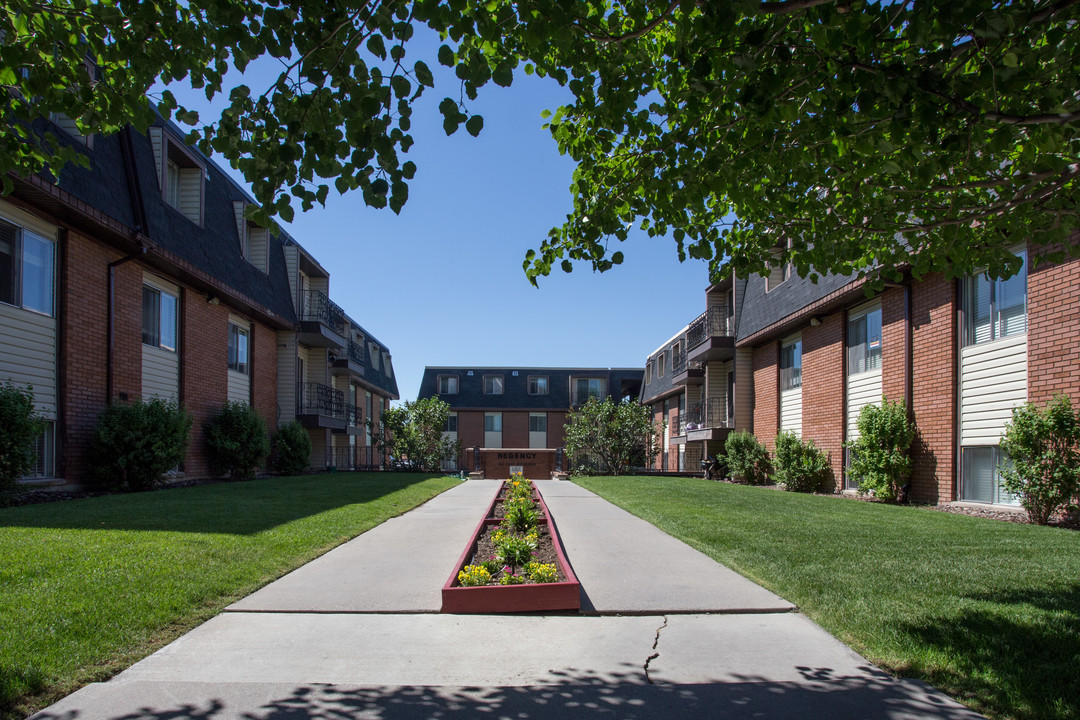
{"points": [[136, 445], [1042, 446]]}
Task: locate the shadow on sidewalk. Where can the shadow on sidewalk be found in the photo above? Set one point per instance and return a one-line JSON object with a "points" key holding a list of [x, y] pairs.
{"points": [[821, 694]]}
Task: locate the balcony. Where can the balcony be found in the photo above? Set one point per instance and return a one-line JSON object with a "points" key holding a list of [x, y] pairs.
{"points": [[322, 322], [710, 337], [684, 372], [705, 420], [321, 406], [351, 363], [354, 420]]}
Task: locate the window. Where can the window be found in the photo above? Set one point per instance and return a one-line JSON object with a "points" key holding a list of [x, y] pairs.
{"points": [[158, 318], [493, 384], [238, 348], [180, 175], [492, 422], [980, 479], [791, 365], [538, 384], [42, 454], [661, 362], [585, 388], [777, 273], [448, 384], [648, 372], [994, 309], [26, 269], [864, 341], [537, 422], [451, 423]]}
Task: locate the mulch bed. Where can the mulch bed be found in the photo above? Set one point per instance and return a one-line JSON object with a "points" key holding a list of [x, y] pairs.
{"points": [[36, 497], [544, 553]]}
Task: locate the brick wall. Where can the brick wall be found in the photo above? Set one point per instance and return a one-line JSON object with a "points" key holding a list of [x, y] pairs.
{"points": [[204, 343], [515, 429], [84, 305], [767, 392], [1054, 331], [556, 433], [470, 429], [894, 370], [823, 390], [934, 375]]}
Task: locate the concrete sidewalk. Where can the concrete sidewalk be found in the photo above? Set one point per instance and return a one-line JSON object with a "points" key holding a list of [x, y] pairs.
{"points": [[351, 635]]}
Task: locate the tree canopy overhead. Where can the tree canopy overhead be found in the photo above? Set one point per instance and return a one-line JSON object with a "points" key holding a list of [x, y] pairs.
{"points": [[840, 135]]}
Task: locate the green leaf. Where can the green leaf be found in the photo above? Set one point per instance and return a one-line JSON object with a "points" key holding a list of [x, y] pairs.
{"points": [[474, 125], [446, 56], [423, 74], [1010, 60]]}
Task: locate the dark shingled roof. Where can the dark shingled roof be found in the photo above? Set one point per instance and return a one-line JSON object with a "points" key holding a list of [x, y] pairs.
{"points": [[760, 309], [660, 386], [213, 248], [620, 382], [376, 378]]}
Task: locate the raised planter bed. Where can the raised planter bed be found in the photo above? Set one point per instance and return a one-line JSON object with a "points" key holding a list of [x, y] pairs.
{"points": [[532, 597]]}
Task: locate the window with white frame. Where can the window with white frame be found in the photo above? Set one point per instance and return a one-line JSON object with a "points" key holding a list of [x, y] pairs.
{"points": [[238, 348], [493, 384], [538, 384], [493, 422], [648, 372], [27, 269], [159, 311], [451, 423], [791, 365], [448, 384], [864, 341], [995, 309], [538, 422], [180, 175], [661, 364], [981, 477]]}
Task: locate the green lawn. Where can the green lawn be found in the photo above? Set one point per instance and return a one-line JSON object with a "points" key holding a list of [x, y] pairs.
{"points": [[987, 611], [87, 587]]}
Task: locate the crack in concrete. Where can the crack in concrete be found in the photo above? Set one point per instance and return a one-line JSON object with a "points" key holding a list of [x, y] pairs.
{"points": [[656, 653]]}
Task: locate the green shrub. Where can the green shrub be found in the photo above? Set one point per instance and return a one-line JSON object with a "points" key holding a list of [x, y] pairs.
{"points": [[20, 424], [800, 466], [236, 441], [879, 456], [135, 445], [747, 458], [290, 452], [1043, 447]]}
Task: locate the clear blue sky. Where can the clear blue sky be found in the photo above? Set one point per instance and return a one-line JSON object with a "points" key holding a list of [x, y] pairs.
{"points": [[442, 283]]}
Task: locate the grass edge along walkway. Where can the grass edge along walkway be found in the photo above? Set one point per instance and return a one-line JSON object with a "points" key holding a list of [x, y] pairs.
{"points": [[89, 587], [985, 610]]}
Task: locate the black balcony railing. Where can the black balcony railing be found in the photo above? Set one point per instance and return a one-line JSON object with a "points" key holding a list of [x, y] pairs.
{"points": [[355, 352], [711, 323], [358, 458], [678, 362], [316, 307], [354, 415], [704, 415], [319, 399]]}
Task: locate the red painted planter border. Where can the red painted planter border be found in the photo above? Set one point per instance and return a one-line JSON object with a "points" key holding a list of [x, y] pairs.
{"points": [[512, 598]]}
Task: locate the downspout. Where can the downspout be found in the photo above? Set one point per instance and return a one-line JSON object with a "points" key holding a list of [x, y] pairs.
{"points": [[138, 211]]}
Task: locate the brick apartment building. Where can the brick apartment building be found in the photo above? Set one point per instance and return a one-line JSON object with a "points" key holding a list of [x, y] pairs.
{"points": [[778, 352], [518, 408], [139, 277]]}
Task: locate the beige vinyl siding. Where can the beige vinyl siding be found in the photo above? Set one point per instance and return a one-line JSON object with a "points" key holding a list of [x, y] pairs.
{"points": [[293, 271], [791, 410], [321, 284], [28, 354], [993, 380], [157, 141], [319, 457], [239, 387], [862, 389], [258, 242], [286, 377], [191, 191], [160, 373], [241, 224], [744, 388]]}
